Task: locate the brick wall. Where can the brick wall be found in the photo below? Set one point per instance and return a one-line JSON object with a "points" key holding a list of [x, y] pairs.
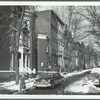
{"points": [[42, 56], [5, 57]]}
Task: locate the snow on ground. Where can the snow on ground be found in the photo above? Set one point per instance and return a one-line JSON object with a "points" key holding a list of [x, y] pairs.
{"points": [[29, 83], [76, 73], [11, 85], [78, 87]]}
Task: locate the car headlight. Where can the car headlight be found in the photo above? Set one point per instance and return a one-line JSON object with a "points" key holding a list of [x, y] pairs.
{"points": [[48, 80]]}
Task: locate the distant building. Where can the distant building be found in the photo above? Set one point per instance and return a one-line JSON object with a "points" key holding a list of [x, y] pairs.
{"points": [[93, 58], [47, 25], [68, 43], [77, 60], [61, 47]]}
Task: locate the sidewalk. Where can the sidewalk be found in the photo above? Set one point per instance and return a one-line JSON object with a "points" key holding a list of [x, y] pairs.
{"points": [[76, 73], [10, 87]]}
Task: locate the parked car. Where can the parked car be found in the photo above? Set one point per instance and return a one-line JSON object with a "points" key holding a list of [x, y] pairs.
{"points": [[93, 77], [96, 74], [48, 79]]}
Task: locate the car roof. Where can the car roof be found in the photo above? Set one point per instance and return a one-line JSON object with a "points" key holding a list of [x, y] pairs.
{"points": [[95, 70], [48, 72]]}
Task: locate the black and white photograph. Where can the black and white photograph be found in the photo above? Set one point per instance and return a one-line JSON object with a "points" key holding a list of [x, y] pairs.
{"points": [[49, 49]]}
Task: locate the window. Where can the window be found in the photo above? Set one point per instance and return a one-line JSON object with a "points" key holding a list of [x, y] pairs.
{"points": [[25, 40]]}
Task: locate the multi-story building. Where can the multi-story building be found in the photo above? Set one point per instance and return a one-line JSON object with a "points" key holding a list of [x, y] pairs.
{"points": [[47, 23], [93, 58], [27, 43], [68, 43], [4, 42], [79, 56], [26, 52], [61, 47], [76, 54]]}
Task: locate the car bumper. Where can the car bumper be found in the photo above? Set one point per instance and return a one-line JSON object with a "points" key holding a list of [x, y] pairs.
{"points": [[42, 84]]}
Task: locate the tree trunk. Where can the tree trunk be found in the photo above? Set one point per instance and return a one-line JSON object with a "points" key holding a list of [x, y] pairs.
{"points": [[19, 26], [16, 68]]}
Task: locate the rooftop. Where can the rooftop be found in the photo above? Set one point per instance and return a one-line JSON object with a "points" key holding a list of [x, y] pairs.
{"points": [[60, 21]]}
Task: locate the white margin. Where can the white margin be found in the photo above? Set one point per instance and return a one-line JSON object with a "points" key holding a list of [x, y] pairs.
{"points": [[54, 3], [57, 3], [49, 97]]}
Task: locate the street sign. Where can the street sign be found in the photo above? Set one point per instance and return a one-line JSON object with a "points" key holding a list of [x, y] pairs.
{"points": [[42, 64]]}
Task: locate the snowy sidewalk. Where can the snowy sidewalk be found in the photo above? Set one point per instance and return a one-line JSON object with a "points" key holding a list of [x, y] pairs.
{"points": [[76, 73], [11, 86], [78, 88]]}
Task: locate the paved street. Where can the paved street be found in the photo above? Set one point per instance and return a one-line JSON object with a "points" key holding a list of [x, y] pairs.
{"points": [[58, 89]]}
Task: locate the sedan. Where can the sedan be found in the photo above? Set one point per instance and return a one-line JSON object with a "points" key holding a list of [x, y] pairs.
{"points": [[48, 79]]}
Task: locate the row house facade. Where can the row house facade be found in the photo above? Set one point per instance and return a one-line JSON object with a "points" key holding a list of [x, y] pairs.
{"points": [[83, 57], [4, 42], [77, 56], [61, 47], [92, 57], [68, 43], [27, 42], [48, 28]]}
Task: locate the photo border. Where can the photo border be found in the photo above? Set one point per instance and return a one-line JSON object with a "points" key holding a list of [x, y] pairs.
{"points": [[52, 2]]}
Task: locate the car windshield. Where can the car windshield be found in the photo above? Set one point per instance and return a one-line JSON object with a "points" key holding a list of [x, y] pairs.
{"points": [[93, 76], [46, 74], [43, 75]]}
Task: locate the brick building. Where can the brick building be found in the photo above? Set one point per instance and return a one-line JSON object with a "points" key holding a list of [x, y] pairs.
{"points": [[47, 23], [61, 47], [68, 43], [76, 56], [4, 42]]}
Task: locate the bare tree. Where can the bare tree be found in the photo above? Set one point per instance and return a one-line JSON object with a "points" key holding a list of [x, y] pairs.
{"points": [[16, 26], [92, 16], [5, 21]]}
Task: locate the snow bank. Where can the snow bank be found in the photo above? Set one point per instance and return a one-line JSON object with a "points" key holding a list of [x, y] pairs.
{"points": [[76, 73], [9, 85], [12, 86], [78, 87], [96, 70]]}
